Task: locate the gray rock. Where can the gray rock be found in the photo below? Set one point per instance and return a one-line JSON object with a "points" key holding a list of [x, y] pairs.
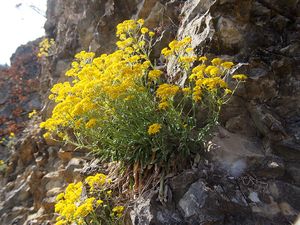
{"points": [[200, 204]]}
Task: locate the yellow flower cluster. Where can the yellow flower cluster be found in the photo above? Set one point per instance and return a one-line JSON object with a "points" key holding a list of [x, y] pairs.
{"points": [[204, 78], [240, 77], [210, 78], [176, 47], [112, 95], [154, 74], [118, 210], [67, 204], [127, 33], [31, 114], [154, 128], [112, 76], [97, 181], [73, 207], [100, 80], [166, 92], [45, 47]]}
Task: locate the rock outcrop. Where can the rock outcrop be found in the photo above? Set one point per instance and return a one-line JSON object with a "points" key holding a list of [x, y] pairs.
{"points": [[20, 87], [251, 174]]}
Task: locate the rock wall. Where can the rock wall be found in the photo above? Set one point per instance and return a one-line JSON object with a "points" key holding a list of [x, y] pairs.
{"points": [[251, 175], [19, 85]]}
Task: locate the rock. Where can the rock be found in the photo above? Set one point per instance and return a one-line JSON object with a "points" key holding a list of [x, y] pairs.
{"points": [[53, 179], [179, 184], [271, 167], [73, 169], [287, 149], [279, 190], [199, 203], [293, 169], [16, 216], [16, 93], [65, 155], [148, 211], [141, 214], [234, 152], [267, 123], [230, 33], [48, 204]]}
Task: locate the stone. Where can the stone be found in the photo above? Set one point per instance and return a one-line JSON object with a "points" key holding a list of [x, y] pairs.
{"points": [[235, 152], [230, 34], [271, 167], [287, 149], [147, 211], [200, 204], [293, 169], [53, 179], [180, 184], [65, 155], [48, 204], [73, 169]]}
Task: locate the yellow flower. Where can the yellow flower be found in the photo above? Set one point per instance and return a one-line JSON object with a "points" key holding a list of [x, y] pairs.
{"points": [[203, 58], [186, 90], [188, 50], [199, 68], [91, 123], [12, 134], [151, 34], [142, 43], [215, 71], [227, 91], [47, 135], [166, 52], [144, 30], [216, 61], [163, 105], [187, 59], [154, 74], [166, 91], [141, 22], [207, 69], [240, 77], [99, 202], [31, 114], [96, 181], [173, 45], [60, 196], [118, 209], [186, 40], [227, 65], [154, 128]]}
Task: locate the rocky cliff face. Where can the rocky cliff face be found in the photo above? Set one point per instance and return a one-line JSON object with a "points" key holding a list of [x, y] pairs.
{"points": [[252, 172]]}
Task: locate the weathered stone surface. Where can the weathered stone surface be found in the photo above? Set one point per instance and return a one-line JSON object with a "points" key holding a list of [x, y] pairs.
{"points": [[197, 202], [19, 89]]}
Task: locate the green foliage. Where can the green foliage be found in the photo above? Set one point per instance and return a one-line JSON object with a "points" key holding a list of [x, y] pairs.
{"points": [[121, 107]]}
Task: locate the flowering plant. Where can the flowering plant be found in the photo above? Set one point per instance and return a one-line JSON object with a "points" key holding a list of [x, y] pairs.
{"points": [[88, 202], [122, 107]]}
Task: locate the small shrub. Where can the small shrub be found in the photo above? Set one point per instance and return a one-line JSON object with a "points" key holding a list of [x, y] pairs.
{"points": [[122, 107]]}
